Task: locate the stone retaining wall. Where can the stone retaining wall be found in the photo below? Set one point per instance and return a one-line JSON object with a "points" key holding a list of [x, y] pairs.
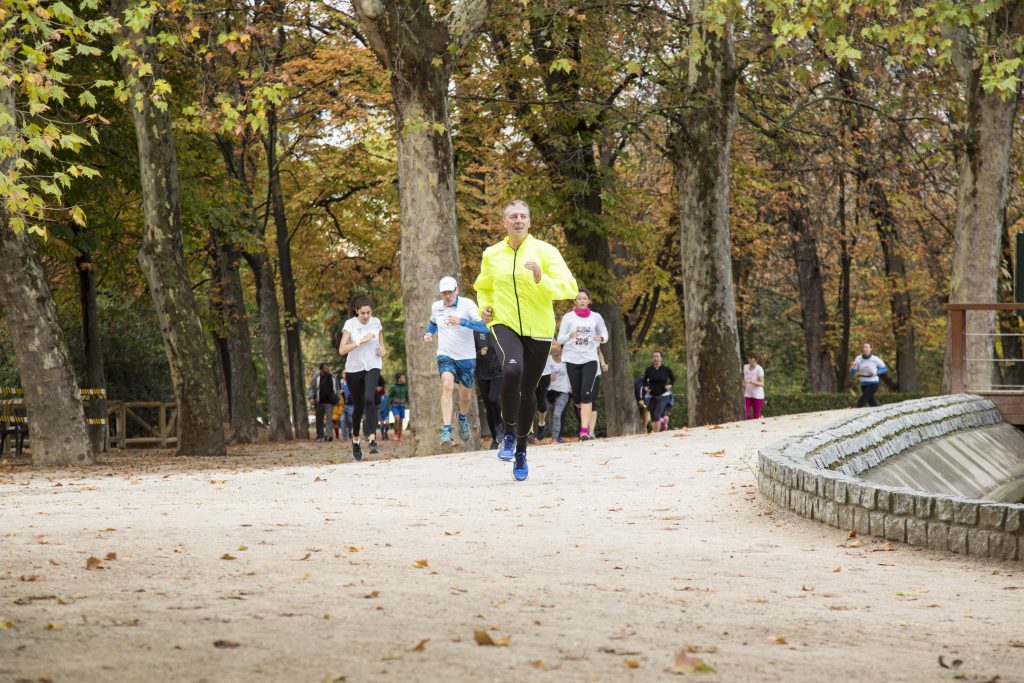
{"points": [[815, 474]]}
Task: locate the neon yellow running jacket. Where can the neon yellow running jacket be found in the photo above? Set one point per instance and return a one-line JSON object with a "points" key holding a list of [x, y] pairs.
{"points": [[519, 303]]}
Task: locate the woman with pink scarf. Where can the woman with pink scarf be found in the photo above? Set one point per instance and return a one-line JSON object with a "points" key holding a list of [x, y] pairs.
{"points": [[580, 333]]}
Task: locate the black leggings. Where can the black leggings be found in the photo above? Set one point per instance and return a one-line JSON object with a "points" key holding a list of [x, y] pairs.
{"points": [[583, 380], [522, 361], [363, 386], [490, 393], [867, 395], [542, 393]]}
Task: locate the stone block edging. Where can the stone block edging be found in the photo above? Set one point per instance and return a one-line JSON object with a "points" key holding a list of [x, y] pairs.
{"points": [[815, 475]]}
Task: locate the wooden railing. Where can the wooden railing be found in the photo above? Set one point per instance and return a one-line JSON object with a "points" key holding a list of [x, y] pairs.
{"points": [[965, 363], [164, 433]]}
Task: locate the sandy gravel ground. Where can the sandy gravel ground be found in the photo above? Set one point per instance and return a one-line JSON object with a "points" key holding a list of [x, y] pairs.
{"points": [[612, 558]]}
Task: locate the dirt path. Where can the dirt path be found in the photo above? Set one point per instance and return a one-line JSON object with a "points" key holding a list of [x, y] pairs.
{"points": [[613, 556]]}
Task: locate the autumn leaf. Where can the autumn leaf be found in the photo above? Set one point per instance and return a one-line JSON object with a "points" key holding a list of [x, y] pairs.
{"points": [[29, 577], [93, 563], [243, 548], [228, 556], [540, 664], [54, 627], [420, 564], [881, 547], [226, 644], [780, 640], [716, 454], [111, 556], [484, 638], [421, 646], [354, 548], [688, 664], [6, 624], [631, 663]]}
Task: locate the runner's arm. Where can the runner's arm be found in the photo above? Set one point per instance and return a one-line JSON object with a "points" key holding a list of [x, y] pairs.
{"points": [[563, 330], [556, 278]]}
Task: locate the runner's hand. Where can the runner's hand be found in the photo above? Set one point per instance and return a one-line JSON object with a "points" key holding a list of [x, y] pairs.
{"points": [[486, 314], [534, 268], [453, 320], [427, 338]]}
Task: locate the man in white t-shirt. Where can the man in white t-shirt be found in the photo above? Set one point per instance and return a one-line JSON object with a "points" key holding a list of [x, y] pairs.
{"points": [[453, 320]]}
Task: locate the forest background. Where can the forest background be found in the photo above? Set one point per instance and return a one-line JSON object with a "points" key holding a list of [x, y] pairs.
{"points": [[831, 145]]}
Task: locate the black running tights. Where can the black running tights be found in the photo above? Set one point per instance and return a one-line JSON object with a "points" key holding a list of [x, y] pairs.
{"points": [[363, 386], [522, 362]]}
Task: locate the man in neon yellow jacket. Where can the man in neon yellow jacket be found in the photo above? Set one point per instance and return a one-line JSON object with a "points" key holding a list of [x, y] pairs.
{"points": [[519, 279]]}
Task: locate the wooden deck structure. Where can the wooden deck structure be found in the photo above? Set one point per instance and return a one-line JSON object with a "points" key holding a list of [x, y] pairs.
{"points": [[1008, 399]]}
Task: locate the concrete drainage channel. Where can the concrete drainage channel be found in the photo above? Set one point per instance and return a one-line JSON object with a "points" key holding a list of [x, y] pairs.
{"points": [[826, 475]]}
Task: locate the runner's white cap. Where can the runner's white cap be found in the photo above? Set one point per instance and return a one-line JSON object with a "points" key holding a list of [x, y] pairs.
{"points": [[447, 284]]}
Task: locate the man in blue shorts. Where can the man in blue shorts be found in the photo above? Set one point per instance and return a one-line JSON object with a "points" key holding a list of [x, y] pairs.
{"points": [[453, 319]]}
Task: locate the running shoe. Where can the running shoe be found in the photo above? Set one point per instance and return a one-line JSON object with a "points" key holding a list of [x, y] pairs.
{"points": [[519, 469], [539, 432], [373, 446], [357, 452], [584, 434], [508, 447], [558, 439], [446, 436], [463, 427]]}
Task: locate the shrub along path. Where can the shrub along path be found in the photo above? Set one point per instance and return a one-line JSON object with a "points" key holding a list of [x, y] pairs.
{"points": [[618, 560]]}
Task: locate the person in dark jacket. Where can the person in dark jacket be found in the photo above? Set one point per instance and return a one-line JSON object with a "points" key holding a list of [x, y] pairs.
{"points": [[488, 381], [323, 394], [658, 379]]}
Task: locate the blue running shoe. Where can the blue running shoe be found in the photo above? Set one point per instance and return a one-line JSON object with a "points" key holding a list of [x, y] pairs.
{"points": [[463, 427], [446, 437], [508, 447], [519, 469]]}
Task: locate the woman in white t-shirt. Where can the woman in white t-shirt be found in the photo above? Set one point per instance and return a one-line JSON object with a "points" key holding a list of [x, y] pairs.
{"points": [[579, 334], [363, 343], [558, 391], [753, 386]]}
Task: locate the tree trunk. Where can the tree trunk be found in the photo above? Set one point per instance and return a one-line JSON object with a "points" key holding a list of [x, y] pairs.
{"points": [[419, 50], [981, 202], [52, 400], [699, 142], [162, 258], [92, 345], [898, 289], [845, 275], [292, 321], [811, 290], [242, 378], [270, 339]]}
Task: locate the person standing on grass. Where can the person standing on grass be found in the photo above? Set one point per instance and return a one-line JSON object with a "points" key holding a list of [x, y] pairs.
{"points": [[398, 395], [753, 386], [488, 382], [362, 341], [520, 278], [580, 334], [868, 367], [658, 380], [454, 319]]}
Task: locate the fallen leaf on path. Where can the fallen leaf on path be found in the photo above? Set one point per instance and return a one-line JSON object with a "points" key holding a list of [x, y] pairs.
{"points": [[354, 548], [540, 664], [228, 556], [452, 533], [809, 589], [852, 534], [371, 595], [420, 564], [855, 543], [110, 556], [484, 638], [631, 663], [29, 577], [226, 644], [218, 481], [6, 624], [839, 608], [55, 627], [710, 649], [93, 563], [686, 664], [837, 570], [780, 640], [881, 547], [421, 646], [304, 557], [716, 454], [1016, 643]]}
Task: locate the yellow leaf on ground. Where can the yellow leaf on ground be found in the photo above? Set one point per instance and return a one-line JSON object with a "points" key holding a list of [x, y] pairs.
{"points": [[243, 548], [421, 646], [686, 664], [780, 640], [484, 638], [228, 556], [93, 563], [716, 454], [55, 627], [354, 548], [111, 556], [6, 624], [421, 564], [631, 663]]}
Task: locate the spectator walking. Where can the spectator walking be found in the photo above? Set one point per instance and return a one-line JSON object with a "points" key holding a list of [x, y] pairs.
{"points": [[580, 333], [323, 394], [658, 380], [753, 387], [868, 367]]}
